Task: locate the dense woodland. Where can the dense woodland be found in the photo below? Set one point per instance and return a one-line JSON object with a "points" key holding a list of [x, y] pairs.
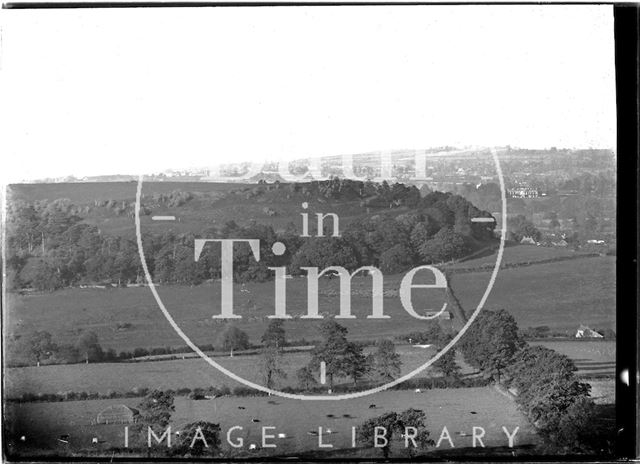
{"points": [[50, 246]]}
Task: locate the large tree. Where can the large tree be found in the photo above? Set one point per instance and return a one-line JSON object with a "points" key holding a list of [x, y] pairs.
{"points": [[341, 357], [305, 378], [40, 346], [274, 336], [235, 339], [491, 342], [271, 365], [447, 365], [155, 412], [395, 424], [88, 346], [444, 246], [386, 362], [271, 356]]}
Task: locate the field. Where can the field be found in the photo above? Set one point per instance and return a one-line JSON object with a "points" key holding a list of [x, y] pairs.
{"points": [[561, 295], [514, 254], [192, 372], [459, 410], [81, 193], [592, 358]]}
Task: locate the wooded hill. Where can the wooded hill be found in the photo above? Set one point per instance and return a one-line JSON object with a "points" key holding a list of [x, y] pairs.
{"points": [[60, 243]]}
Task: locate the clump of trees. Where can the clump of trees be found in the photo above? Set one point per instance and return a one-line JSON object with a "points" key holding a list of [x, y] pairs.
{"points": [[520, 227], [544, 381], [341, 357], [40, 347], [198, 439], [155, 411], [491, 342], [382, 430]]}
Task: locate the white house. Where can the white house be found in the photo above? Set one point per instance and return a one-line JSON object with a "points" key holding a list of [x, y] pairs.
{"points": [[585, 332]]}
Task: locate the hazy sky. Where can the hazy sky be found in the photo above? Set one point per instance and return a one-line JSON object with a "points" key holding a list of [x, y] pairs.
{"points": [[127, 90]]}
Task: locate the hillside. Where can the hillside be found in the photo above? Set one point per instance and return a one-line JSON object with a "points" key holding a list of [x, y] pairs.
{"points": [[60, 243], [211, 204]]}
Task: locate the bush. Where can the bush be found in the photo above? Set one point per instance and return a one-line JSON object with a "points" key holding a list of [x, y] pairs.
{"points": [[140, 352], [247, 391], [197, 394], [139, 391]]}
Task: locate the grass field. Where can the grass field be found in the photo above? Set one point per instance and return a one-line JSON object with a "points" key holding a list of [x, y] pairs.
{"points": [[88, 192], [459, 410], [172, 374], [515, 253], [592, 358], [561, 295]]}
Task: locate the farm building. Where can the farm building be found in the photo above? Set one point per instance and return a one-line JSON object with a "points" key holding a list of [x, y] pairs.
{"points": [[585, 332], [117, 414], [523, 192]]}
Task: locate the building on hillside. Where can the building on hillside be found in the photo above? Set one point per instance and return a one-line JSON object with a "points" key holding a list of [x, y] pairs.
{"points": [[523, 192], [585, 332], [118, 414]]}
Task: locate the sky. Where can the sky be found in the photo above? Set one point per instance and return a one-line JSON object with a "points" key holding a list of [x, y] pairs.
{"points": [[88, 92]]}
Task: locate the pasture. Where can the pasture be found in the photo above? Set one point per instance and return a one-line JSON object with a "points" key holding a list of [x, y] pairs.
{"points": [[561, 295], [593, 358], [459, 410], [174, 374], [88, 192], [517, 254]]}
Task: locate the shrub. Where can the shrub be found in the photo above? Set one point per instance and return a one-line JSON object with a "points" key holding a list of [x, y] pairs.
{"points": [[196, 394]]}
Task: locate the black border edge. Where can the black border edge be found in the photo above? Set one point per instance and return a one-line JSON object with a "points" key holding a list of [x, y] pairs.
{"points": [[627, 64], [626, 19], [31, 5]]}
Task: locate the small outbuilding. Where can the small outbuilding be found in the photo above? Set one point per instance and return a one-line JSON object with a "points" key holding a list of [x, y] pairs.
{"points": [[585, 332], [118, 414]]}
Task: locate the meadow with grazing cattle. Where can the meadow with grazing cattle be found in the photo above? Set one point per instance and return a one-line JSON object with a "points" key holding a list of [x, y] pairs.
{"points": [[459, 410]]}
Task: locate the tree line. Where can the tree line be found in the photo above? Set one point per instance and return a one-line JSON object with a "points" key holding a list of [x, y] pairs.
{"points": [[546, 387]]}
